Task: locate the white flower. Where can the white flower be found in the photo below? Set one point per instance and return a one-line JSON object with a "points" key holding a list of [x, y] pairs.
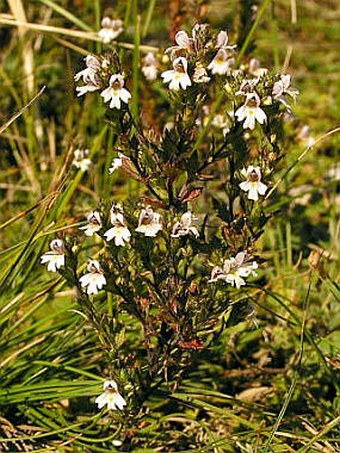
{"points": [[94, 224], [89, 73], [186, 44], [234, 270], [120, 232], [150, 72], [182, 40], [251, 111], [80, 160], [222, 41], [56, 257], [255, 69], [116, 92], [183, 43], [221, 64], [94, 280], [111, 397], [304, 133], [88, 88], [223, 61], [117, 27], [253, 184], [149, 68], [301, 195], [282, 87], [117, 162], [110, 29], [178, 76], [185, 226], [149, 222]]}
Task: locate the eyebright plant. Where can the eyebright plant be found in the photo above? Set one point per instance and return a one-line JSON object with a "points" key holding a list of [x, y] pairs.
{"points": [[174, 260]]}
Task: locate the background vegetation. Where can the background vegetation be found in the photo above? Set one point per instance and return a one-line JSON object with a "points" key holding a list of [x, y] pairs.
{"points": [[269, 385]]}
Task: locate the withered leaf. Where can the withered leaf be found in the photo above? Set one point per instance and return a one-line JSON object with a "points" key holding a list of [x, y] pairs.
{"points": [[130, 170], [205, 177], [153, 201], [195, 343], [191, 194]]}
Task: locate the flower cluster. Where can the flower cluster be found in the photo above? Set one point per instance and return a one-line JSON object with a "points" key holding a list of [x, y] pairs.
{"points": [[149, 224], [194, 60], [197, 58], [197, 50], [96, 76]]}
